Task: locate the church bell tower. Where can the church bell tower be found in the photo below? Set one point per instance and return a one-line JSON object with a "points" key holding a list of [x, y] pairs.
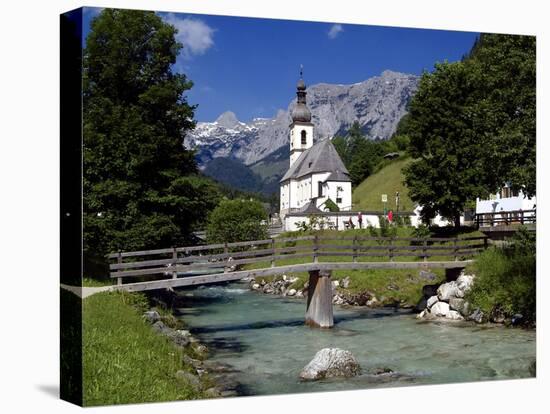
{"points": [[301, 128]]}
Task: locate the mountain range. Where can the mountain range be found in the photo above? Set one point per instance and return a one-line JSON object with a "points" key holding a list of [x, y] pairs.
{"points": [[253, 156]]}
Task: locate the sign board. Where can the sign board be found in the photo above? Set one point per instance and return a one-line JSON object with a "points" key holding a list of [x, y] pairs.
{"points": [[384, 198]]}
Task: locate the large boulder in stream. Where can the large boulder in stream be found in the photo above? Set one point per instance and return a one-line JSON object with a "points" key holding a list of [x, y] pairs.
{"points": [[331, 362]]}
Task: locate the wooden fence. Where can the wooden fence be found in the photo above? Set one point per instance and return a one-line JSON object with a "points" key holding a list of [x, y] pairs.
{"points": [[506, 218], [224, 257]]}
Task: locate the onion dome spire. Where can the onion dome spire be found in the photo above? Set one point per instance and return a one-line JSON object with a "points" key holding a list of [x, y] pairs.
{"points": [[301, 112]]}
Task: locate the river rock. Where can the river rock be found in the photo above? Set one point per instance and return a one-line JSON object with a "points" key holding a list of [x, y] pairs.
{"points": [[335, 283], [460, 305], [299, 294], [427, 275], [331, 362], [255, 286], [373, 302], [440, 309], [465, 282], [345, 282], [189, 378], [454, 315], [477, 316], [151, 316], [180, 337], [291, 292], [431, 301], [422, 314], [517, 319], [448, 290]]}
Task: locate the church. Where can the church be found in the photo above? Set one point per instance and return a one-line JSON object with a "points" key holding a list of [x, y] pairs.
{"points": [[316, 173]]}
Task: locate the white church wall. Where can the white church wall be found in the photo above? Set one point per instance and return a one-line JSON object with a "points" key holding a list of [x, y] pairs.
{"points": [[296, 146], [345, 194], [284, 196]]}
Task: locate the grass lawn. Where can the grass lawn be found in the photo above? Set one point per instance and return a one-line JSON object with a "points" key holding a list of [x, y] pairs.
{"points": [[367, 195], [124, 360]]}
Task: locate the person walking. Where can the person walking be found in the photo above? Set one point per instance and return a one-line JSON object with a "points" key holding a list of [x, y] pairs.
{"points": [[360, 220]]}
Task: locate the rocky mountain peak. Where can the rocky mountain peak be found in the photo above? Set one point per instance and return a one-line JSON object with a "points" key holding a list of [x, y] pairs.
{"points": [[377, 104], [227, 120]]}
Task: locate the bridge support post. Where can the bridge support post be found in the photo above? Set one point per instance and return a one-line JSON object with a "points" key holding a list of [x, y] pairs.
{"points": [[319, 300]]}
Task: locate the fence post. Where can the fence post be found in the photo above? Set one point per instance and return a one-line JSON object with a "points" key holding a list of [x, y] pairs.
{"points": [[425, 249], [521, 217], [456, 248], [226, 258], [390, 249], [355, 249], [174, 263], [272, 252], [485, 243], [119, 260], [315, 248]]}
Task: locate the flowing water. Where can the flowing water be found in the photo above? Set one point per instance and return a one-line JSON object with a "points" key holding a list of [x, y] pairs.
{"points": [[263, 337]]}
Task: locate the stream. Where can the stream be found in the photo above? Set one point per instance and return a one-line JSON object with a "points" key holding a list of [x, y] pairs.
{"points": [[264, 339]]}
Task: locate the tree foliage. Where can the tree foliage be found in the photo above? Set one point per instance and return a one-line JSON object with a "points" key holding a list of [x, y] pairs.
{"points": [[237, 220], [141, 186], [472, 126]]}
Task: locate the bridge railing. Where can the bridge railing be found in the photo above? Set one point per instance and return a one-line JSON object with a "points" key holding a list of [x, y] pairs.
{"points": [[224, 257], [500, 218]]}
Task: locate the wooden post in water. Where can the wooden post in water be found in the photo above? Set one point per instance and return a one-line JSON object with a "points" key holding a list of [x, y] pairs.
{"points": [[319, 300]]}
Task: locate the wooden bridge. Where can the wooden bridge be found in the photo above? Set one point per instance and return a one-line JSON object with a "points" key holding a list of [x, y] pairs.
{"points": [[318, 255], [499, 225]]}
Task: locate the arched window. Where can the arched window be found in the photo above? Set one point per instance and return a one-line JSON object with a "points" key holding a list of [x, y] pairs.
{"points": [[304, 140]]}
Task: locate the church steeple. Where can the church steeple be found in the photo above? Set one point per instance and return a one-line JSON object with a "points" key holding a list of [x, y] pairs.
{"points": [[301, 128], [301, 112]]}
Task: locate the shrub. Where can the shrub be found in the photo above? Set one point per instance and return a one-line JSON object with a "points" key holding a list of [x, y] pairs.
{"points": [[331, 205], [506, 278], [237, 220], [373, 232]]}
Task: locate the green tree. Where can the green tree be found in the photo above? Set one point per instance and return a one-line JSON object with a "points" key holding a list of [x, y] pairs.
{"points": [[472, 127], [504, 67], [141, 188], [448, 170], [237, 220]]}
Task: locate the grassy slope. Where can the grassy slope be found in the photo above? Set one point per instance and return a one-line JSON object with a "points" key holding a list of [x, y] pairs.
{"points": [[124, 360], [388, 180]]}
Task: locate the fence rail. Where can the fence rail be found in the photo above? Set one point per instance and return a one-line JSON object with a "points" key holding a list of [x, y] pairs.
{"points": [[225, 257], [506, 218]]}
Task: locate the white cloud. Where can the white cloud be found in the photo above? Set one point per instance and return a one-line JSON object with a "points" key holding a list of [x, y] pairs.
{"points": [[335, 30], [195, 35]]}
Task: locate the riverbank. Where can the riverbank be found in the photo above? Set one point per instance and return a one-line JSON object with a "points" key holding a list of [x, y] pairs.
{"points": [[402, 288], [425, 293], [133, 353]]}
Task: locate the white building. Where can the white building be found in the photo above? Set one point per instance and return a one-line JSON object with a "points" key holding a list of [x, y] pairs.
{"points": [[316, 172], [506, 205]]}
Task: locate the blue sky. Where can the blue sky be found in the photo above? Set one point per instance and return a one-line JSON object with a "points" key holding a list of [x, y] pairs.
{"points": [[250, 66]]}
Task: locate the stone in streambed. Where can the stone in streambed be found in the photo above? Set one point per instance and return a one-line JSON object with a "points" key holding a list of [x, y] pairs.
{"points": [[331, 362], [431, 301], [440, 309], [448, 290]]}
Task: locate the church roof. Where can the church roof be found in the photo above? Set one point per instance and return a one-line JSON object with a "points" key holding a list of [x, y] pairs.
{"points": [[309, 208], [321, 157]]}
